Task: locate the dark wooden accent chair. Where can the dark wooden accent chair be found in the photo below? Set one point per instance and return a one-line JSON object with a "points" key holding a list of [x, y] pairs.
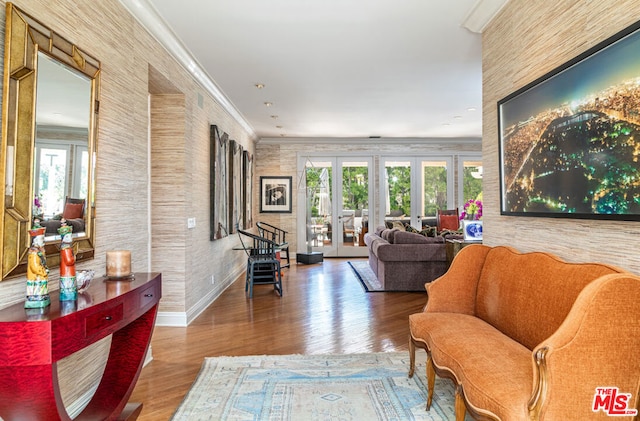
{"points": [[263, 266], [278, 236]]}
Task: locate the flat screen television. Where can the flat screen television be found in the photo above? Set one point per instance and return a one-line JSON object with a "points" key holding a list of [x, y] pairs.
{"points": [[570, 140]]}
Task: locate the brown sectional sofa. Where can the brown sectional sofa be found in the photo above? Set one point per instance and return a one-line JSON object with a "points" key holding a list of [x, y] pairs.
{"points": [[529, 336], [404, 261]]}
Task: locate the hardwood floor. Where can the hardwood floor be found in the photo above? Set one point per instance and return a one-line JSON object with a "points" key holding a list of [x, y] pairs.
{"points": [[324, 310]]}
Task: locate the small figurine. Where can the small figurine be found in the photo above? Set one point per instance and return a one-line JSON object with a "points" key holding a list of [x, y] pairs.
{"points": [[68, 286], [37, 271]]}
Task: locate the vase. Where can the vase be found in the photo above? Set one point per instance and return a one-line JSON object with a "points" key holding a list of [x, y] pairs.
{"points": [[472, 230]]}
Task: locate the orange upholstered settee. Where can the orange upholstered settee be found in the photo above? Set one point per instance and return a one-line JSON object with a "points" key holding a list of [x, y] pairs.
{"points": [[531, 337]]}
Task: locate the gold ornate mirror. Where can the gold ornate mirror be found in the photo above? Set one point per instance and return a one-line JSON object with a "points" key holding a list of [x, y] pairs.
{"points": [[49, 129]]}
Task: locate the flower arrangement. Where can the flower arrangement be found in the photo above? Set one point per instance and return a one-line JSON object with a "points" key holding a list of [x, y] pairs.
{"points": [[472, 210], [37, 205]]}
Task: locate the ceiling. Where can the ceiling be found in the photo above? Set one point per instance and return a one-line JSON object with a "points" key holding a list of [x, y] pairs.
{"points": [[333, 68]]}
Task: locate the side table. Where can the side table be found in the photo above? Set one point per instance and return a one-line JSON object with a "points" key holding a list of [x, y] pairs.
{"points": [[32, 341], [454, 246]]}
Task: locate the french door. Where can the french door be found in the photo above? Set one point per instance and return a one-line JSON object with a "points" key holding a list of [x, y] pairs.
{"points": [[336, 203], [412, 189]]}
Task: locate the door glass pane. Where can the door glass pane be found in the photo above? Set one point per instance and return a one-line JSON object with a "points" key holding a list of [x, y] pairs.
{"points": [[397, 190], [80, 183], [434, 187], [51, 178], [319, 229], [472, 180], [355, 200]]}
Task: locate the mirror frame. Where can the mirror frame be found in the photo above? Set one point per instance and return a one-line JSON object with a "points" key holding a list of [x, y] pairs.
{"points": [[24, 38]]}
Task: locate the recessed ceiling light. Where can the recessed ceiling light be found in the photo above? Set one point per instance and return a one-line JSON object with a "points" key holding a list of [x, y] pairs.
{"points": [[457, 117], [268, 104], [471, 109], [279, 127], [259, 85], [275, 117]]}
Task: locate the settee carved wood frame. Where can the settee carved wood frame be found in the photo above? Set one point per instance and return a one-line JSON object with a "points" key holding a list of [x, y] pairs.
{"points": [[461, 404]]}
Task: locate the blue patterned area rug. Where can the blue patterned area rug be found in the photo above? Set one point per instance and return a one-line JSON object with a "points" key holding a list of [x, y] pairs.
{"points": [[314, 387], [365, 275]]}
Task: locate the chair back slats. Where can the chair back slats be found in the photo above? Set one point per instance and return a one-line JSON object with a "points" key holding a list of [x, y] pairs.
{"points": [[278, 236], [274, 234], [258, 248]]}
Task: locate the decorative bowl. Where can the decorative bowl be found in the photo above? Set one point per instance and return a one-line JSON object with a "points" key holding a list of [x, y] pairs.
{"points": [[83, 279]]}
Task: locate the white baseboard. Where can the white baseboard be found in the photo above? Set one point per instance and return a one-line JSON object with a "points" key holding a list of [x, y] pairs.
{"points": [[164, 318], [182, 319]]}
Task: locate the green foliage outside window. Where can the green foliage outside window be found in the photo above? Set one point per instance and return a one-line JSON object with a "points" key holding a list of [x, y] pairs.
{"points": [[400, 189], [472, 188], [355, 188], [435, 190]]}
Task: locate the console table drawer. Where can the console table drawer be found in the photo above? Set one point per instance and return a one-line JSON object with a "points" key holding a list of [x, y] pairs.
{"points": [[149, 295], [103, 319]]}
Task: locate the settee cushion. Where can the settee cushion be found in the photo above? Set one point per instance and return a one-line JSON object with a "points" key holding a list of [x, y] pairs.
{"points": [[539, 285], [496, 375]]}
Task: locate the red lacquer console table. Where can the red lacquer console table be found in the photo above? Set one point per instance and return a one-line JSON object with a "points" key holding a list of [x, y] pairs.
{"points": [[32, 341]]}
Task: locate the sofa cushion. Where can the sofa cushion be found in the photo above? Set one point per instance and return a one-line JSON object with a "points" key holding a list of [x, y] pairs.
{"points": [[404, 237], [527, 296], [410, 252], [389, 234], [495, 376], [370, 238]]}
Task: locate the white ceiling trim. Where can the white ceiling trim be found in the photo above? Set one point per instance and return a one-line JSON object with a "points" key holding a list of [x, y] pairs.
{"points": [[370, 141], [151, 20], [482, 13]]}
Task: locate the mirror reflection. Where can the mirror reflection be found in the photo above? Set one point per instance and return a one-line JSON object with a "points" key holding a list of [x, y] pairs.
{"points": [[61, 155]]}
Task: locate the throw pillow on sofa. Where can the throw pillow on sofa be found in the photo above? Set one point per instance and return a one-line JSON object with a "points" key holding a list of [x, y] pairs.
{"points": [[409, 228], [401, 237], [428, 231], [398, 225]]}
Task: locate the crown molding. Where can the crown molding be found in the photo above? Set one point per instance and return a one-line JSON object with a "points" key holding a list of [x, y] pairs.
{"points": [[147, 15], [482, 13], [368, 141]]}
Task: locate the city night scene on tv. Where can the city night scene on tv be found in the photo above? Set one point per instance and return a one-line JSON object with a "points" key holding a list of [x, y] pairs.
{"points": [[570, 144]]}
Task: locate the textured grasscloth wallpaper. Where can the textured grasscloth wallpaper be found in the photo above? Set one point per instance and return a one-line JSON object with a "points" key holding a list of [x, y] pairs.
{"points": [[147, 185], [527, 40]]}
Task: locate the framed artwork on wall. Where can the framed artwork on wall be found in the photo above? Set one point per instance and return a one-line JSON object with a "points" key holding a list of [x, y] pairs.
{"points": [[569, 140], [275, 194], [218, 184], [247, 202], [235, 186]]}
